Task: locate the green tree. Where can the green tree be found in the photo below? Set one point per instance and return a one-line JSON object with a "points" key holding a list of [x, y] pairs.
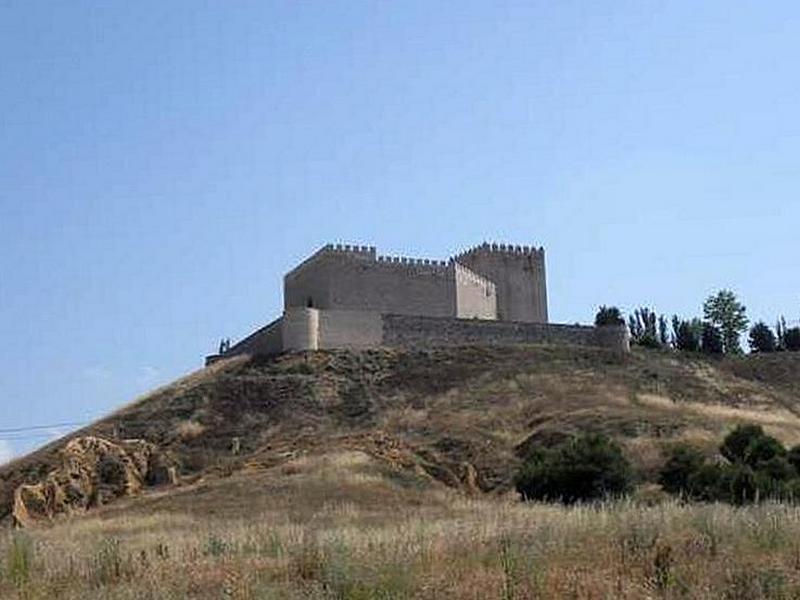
{"points": [[726, 312], [793, 456], [683, 462], [780, 332], [686, 335], [711, 342], [663, 331], [736, 444], [791, 339], [608, 315], [587, 467], [762, 339], [645, 327]]}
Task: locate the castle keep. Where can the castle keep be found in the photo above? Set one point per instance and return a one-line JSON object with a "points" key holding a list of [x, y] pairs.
{"points": [[350, 297]]}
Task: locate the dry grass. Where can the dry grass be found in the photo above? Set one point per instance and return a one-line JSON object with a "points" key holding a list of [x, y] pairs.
{"points": [[337, 492], [325, 536]]}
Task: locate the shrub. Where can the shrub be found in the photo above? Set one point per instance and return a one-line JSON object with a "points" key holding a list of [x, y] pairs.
{"points": [[763, 449], [587, 467], [793, 456], [748, 444], [735, 445], [704, 484], [684, 461], [791, 339], [608, 315], [762, 339]]}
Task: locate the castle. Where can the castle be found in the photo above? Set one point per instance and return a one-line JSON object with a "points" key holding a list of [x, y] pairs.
{"points": [[346, 296]]}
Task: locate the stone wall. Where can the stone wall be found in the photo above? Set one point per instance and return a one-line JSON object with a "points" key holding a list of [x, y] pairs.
{"points": [[476, 297], [420, 332], [349, 329], [264, 341], [518, 273], [340, 279], [300, 329]]}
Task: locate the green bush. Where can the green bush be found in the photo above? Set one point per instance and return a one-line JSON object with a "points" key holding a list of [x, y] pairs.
{"points": [[608, 315], [735, 445], [587, 467], [793, 456], [759, 468], [683, 462]]}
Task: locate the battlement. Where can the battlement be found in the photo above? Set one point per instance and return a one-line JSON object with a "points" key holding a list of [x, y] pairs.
{"points": [[473, 276], [488, 281], [336, 250], [405, 260], [494, 248]]}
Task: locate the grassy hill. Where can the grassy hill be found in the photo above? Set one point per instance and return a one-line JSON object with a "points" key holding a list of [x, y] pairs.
{"points": [[459, 416], [397, 454]]}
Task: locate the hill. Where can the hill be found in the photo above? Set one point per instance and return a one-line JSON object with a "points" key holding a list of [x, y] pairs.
{"points": [[454, 417]]}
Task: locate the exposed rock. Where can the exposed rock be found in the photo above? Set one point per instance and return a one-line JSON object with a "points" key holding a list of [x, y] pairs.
{"points": [[93, 472]]}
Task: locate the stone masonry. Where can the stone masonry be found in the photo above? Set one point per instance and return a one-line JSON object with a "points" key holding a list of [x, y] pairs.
{"points": [[350, 297]]}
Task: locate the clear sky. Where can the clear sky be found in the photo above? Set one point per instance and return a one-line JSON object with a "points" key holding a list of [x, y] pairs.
{"points": [[162, 164]]}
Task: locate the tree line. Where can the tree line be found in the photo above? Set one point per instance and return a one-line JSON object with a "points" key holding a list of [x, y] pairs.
{"points": [[752, 466], [718, 332]]}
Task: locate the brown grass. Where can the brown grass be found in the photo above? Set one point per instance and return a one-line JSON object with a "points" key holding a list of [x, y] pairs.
{"points": [[330, 533]]}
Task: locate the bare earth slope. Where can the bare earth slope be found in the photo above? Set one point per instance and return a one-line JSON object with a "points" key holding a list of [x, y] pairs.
{"points": [[225, 438]]}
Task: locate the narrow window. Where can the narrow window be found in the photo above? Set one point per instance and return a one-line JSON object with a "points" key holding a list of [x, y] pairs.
{"points": [[310, 302]]}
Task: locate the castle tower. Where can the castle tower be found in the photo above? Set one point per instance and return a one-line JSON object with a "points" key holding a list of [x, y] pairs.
{"points": [[518, 273]]}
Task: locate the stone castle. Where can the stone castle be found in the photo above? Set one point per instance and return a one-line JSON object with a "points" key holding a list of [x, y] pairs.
{"points": [[346, 296]]}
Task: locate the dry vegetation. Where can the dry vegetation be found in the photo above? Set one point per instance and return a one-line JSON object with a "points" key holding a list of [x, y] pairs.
{"points": [[366, 538], [386, 474]]}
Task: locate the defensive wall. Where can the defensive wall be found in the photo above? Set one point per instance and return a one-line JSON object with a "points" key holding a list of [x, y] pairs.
{"points": [[314, 329]]}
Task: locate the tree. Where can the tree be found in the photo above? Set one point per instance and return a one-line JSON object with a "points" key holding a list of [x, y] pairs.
{"points": [[587, 467], [686, 335], [663, 331], [762, 339], [683, 462], [793, 456], [735, 445], [711, 339], [780, 332], [646, 328], [608, 315], [726, 312], [758, 468], [791, 339]]}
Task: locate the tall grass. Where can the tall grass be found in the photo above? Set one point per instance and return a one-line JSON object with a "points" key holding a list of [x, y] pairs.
{"points": [[472, 549]]}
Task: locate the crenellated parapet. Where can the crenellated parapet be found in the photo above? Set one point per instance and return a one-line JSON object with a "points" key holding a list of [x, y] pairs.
{"points": [[494, 248], [473, 276], [346, 251], [406, 260]]}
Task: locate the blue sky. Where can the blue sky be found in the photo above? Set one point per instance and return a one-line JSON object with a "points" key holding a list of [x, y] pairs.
{"points": [[162, 164]]}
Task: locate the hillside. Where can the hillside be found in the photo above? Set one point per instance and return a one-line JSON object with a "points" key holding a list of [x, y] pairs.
{"points": [[223, 440]]}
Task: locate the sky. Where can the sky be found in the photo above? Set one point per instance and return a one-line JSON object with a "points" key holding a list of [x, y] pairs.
{"points": [[162, 164]]}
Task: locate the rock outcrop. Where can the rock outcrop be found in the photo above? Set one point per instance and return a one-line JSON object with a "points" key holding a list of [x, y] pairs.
{"points": [[93, 472]]}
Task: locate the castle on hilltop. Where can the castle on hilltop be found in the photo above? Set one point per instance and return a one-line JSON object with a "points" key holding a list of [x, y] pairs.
{"points": [[346, 296]]}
